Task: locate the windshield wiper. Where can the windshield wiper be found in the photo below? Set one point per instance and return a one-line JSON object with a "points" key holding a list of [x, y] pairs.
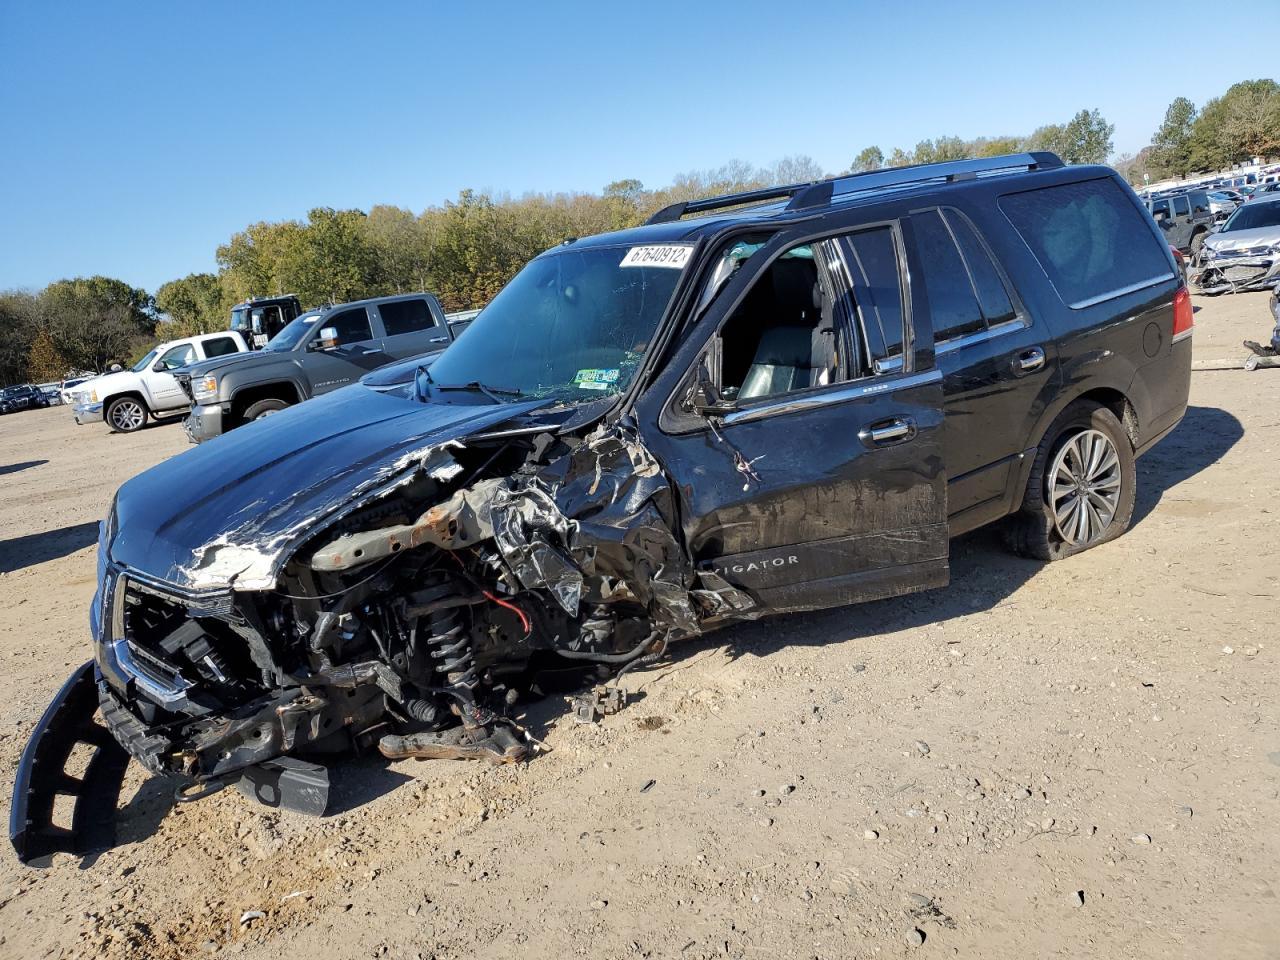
{"points": [[493, 393]]}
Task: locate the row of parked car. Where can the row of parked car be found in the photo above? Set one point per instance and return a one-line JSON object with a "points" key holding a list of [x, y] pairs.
{"points": [[220, 381]]}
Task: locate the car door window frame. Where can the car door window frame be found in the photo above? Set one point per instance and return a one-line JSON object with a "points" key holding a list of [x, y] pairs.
{"points": [[325, 323], [681, 420], [182, 346], [1020, 321]]}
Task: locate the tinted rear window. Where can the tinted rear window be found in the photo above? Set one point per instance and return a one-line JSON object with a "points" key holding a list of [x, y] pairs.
{"points": [[952, 302], [220, 347], [873, 265], [1089, 237]]}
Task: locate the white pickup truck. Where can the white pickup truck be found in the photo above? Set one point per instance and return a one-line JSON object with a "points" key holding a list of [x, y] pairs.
{"points": [[127, 398]]}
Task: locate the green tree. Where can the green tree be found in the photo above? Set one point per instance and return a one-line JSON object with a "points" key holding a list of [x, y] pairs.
{"points": [[868, 158], [899, 158], [19, 315], [91, 322], [193, 304], [1171, 144], [1241, 124]]}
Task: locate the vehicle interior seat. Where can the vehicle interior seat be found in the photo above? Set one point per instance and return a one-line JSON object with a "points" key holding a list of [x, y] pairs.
{"points": [[795, 346]]}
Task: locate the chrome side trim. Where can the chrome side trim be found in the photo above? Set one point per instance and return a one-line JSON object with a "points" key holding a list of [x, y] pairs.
{"points": [[1184, 335], [795, 403], [968, 340], [1112, 294]]}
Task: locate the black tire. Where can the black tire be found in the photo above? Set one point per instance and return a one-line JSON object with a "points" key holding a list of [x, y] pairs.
{"points": [[1033, 531], [125, 415], [1197, 241], [264, 408]]}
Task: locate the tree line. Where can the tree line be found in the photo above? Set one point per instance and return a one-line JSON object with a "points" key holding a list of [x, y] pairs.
{"points": [[467, 248]]}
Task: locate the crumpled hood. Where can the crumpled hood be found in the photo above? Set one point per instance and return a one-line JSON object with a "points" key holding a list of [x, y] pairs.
{"points": [[1243, 239], [225, 513]]}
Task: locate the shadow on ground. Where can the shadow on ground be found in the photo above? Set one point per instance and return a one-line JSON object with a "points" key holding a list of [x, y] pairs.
{"points": [[19, 467], [37, 548]]}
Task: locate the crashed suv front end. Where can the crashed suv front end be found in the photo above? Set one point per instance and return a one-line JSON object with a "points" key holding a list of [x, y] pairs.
{"points": [[377, 568]]}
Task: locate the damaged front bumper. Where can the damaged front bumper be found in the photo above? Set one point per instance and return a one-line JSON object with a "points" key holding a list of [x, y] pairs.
{"points": [[1239, 271], [87, 413]]}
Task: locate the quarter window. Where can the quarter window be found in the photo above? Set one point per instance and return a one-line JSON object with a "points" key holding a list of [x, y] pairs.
{"points": [[405, 316], [1090, 238]]}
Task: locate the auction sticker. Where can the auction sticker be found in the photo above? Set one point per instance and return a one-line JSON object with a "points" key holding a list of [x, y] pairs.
{"points": [[596, 379], [658, 255]]}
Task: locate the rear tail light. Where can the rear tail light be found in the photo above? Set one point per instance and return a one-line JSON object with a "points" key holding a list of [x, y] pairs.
{"points": [[1183, 315]]}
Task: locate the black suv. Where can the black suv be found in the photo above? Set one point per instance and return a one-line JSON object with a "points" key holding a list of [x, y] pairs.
{"points": [[792, 401]]}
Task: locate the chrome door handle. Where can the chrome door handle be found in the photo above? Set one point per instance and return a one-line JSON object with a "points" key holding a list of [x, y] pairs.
{"points": [[888, 432], [438, 340], [1029, 361]]}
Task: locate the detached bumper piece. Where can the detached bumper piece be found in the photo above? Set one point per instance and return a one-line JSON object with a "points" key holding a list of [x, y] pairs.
{"points": [[497, 743], [42, 777]]}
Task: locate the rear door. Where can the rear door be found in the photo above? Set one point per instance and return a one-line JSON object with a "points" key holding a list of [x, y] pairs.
{"points": [[823, 482], [999, 369], [1180, 236], [411, 327], [356, 350]]}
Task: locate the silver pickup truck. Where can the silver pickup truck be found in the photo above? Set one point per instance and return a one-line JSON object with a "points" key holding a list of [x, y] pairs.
{"points": [[319, 351]]}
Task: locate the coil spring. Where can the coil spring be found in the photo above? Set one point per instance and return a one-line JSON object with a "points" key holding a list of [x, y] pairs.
{"points": [[455, 660]]}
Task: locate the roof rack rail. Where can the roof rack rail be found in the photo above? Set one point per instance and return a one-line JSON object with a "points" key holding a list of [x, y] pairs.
{"points": [[819, 193]]}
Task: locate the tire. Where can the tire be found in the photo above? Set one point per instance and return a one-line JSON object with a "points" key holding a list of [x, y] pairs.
{"points": [[1039, 531], [1197, 241], [264, 408], [126, 415]]}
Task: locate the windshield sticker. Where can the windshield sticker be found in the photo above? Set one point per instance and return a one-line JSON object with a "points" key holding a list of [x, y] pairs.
{"points": [[595, 379], [674, 256]]}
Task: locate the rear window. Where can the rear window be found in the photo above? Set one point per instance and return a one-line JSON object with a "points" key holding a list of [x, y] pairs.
{"points": [[1090, 238], [220, 347], [405, 316]]}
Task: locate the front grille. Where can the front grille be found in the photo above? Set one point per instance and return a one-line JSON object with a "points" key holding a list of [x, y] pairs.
{"points": [[184, 381]]}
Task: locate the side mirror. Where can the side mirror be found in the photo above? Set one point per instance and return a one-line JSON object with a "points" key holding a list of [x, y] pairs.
{"points": [[328, 339], [704, 399], [158, 367]]}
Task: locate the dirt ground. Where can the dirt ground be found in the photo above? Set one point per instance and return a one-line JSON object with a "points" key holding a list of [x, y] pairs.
{"points": [[1073, 760]]}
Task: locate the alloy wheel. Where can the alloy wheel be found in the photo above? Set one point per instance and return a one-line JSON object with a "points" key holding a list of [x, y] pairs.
{"points": [[127, 415], [1084, 487]]}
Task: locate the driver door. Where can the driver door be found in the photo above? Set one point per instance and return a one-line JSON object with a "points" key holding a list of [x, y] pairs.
{"points": [[161, 384], [820, 479], [354, 351]]}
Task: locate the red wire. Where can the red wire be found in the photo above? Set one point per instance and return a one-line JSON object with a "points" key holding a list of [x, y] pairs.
{"points": [[524, 619]]}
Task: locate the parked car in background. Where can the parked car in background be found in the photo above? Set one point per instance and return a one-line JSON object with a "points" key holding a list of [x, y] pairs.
{"points": [[21, 397], [792, 401], [1223, 203], [125, 400], [1244, 253], [319, 351], [1184, 216]]}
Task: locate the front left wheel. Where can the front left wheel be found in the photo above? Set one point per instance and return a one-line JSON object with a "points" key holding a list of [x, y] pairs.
{"points": [[126, 414]]}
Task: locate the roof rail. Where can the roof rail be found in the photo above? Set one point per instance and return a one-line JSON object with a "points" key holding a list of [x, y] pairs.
{"points": [[819, 193]]}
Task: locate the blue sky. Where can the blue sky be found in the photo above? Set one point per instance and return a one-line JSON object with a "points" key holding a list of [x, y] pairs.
{"points": [[138, 136]]}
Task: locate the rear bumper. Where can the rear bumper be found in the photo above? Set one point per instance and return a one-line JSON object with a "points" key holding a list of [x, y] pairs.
{"points": [[88, 413], [204, 422]]}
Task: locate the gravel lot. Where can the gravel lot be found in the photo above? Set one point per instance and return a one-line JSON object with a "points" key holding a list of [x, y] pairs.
{"points": [[1076, 760]]}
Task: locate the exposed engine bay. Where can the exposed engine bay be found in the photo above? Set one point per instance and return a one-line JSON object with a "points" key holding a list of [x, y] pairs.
{"points": [[412, 622]]}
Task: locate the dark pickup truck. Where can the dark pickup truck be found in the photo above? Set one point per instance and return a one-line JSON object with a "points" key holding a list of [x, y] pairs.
{"points": [[317, 352]]}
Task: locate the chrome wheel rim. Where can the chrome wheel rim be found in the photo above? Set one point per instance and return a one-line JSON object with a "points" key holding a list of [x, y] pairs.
{"points": [[126, 415], [1084, 487], [265, 413]]}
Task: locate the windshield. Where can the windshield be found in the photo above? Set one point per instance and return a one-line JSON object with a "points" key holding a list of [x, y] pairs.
{"points": [[572, 325], [144, 362], [293, 334], [1252, 216]]}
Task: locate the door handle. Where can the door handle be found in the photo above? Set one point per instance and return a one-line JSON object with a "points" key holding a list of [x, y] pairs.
{"points": [[888, 432], [1028, 361], [438, 340]]}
